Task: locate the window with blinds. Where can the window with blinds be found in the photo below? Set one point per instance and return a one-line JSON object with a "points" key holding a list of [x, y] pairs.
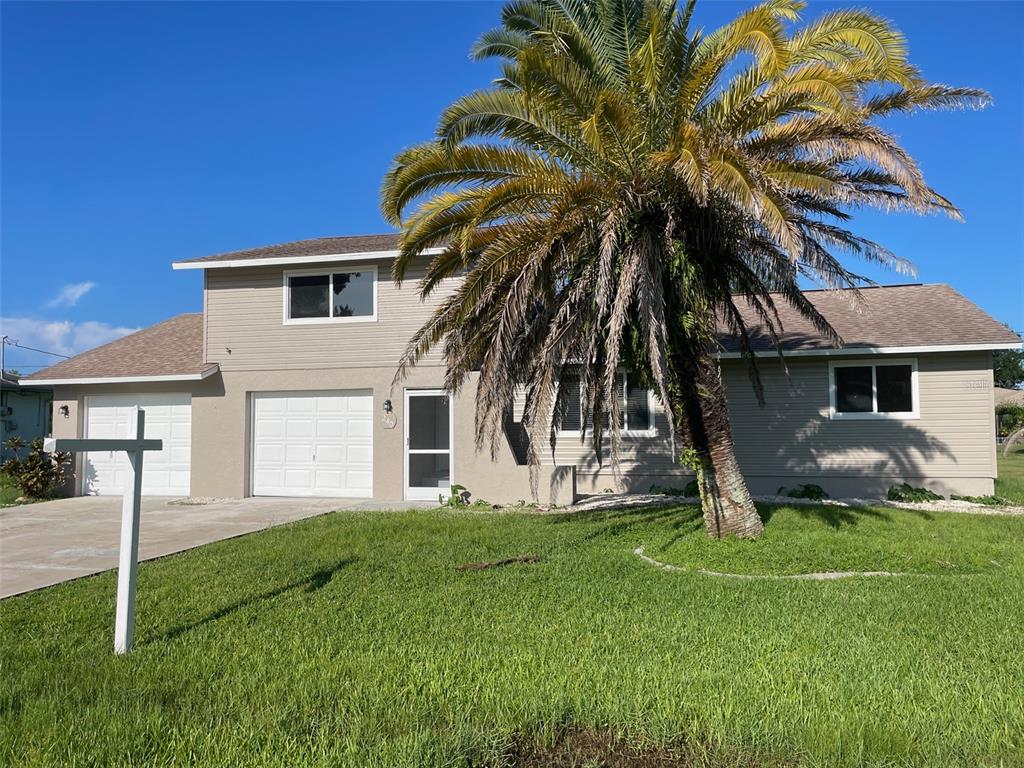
{"points": [[634, 404]]}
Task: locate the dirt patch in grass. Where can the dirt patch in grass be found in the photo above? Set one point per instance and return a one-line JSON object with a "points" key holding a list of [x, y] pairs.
{"points": [[498, 563], [599, 748]]}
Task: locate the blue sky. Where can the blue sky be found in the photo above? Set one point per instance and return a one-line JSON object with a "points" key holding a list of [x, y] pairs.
{"points": [[135, 134]]}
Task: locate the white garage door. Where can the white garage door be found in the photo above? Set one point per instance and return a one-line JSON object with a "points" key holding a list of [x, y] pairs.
{"points": [[313, 443], [168, 417]]}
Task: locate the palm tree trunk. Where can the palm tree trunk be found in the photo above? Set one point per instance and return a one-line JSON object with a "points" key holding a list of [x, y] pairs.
{"points": [[725, 499]]}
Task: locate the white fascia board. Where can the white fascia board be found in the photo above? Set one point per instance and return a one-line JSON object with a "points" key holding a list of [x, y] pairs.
{"points": [[123, 379], [862, 351], [287, 260]]}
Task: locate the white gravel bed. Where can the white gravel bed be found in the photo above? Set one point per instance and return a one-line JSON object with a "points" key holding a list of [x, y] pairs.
{"points": [[629, 500]]}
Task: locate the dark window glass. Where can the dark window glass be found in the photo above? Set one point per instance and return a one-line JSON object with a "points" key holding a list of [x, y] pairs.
{"points": [[429, 422], [308, 296], [894, 391], [569, 411], [353, 294], [638, 413], [853, 389], [430, 470]]}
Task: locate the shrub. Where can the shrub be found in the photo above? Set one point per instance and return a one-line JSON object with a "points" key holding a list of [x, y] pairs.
{"points": [[37, 473], [806, 491], [1009, 417], [988, 501], [905, 492], [691, 489]]}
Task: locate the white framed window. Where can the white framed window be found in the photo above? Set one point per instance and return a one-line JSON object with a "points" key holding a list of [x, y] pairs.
{"points": [[636, 408], [874, 390], [343, 295]]}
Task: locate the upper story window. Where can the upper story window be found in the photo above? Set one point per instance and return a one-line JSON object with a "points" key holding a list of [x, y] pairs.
{"points": [[342, 295], [874, 390], [636, 412]]}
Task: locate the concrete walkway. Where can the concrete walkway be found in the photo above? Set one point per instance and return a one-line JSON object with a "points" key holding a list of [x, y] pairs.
{"points": [[54, 541]]}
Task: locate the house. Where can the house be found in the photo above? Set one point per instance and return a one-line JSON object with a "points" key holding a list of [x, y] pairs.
{"points": [[282, 386], [1006, 396], [24, 412]]}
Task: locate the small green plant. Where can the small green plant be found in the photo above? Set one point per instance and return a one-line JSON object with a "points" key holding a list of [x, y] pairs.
{"points": [[805, 491], [690, 490], [988, 501], [36, 473], [459, 498], [906, 492]]}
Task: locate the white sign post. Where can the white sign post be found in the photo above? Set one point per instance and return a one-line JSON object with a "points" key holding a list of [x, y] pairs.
{"points": [[128, 554]]}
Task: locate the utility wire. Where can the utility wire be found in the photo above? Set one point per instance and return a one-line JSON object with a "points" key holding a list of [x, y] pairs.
{"points": [[33, 349]]}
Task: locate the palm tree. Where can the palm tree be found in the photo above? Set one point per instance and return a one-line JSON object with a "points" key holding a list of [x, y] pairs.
{"points": [[628, 183]]}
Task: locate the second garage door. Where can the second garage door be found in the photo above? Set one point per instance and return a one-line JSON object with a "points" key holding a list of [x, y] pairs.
{"points": [[313, 443], [168, 418]]}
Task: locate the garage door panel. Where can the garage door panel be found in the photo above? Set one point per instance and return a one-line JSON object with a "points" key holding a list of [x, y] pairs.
{"points": [[356, 479], [331, 427], [309, 450], [301, 428], [166, 472], [359, 454]]}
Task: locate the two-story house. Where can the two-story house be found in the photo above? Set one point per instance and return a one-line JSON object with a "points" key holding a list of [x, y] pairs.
{"points": [[282, 386]]}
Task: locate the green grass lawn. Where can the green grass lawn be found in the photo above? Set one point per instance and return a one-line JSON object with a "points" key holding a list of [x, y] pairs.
{"points": [[1010, 484], [352, 640]]}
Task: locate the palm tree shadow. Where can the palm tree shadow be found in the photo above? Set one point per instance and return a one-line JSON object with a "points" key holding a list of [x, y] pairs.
{"points": [[309, 584], [836, 517], [684, 519]]}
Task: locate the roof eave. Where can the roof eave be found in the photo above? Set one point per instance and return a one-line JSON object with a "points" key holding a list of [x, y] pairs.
{"points": [[173, 377], [861, 351], [272, 261]]}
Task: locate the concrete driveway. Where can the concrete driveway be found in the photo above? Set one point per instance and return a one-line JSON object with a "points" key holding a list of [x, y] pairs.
{"points": [[53, 541]]}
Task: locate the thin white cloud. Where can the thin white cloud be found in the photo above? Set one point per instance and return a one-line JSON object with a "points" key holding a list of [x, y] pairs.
{"points": [[61, 336], [71, 293]]}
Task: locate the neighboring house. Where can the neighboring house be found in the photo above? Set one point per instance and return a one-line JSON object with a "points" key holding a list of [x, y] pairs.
{"points": [[24, 412], [1007, 396], [282, 386]]}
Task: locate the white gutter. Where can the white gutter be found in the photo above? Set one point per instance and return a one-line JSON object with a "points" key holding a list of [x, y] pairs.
{"points": [[275, 261], [123, 379], [852, 351]]}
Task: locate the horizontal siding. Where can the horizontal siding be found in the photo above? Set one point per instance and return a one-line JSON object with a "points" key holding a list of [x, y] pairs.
{"points": [[245, 314], [793, 434]]}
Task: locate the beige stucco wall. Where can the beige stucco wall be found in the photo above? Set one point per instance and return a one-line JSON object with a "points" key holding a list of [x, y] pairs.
{"points": [[950, 447], [221, 423], [792, 440]]}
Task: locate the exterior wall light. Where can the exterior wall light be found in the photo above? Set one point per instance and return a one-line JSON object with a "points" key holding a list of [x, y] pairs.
{"points": [[64, 411]]}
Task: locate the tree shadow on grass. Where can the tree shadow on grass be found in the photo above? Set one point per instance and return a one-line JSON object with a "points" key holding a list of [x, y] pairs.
{"points": [[684, 519], [311, 583], [836, 517]]}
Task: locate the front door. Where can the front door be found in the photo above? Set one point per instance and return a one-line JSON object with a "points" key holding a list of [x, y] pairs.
{"points": [[428, 444]]}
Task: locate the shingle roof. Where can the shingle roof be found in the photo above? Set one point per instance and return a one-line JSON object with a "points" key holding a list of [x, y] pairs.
{"points": [[320, 246], [171, 348], [886, 316]]}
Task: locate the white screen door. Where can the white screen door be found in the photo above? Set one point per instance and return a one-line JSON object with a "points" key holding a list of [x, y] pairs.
{"points": [[428, 444]]}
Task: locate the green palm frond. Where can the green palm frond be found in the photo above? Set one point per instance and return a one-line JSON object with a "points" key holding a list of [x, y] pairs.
{"points": [[627, 180]]}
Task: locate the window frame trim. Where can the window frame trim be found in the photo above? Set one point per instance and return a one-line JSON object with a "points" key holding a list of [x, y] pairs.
{"points": [[874, 414], [651, 431], [329, 273]]}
